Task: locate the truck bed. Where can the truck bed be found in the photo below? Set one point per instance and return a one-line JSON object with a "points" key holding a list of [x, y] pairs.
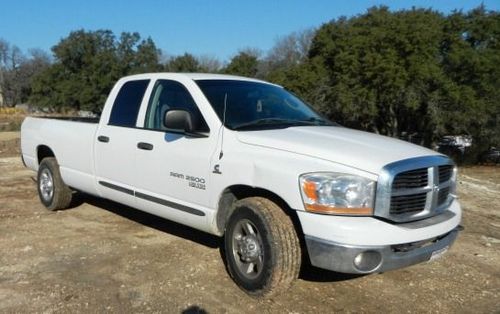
{"points": [[71, 142]]}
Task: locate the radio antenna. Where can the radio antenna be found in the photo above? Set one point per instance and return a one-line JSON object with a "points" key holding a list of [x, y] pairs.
{"points": [[223, 125]]}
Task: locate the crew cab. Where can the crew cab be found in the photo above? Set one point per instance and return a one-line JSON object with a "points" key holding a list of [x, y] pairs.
{"points": [[248, 161]]}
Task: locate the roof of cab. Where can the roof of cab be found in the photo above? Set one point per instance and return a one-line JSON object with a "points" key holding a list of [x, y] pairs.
{"points": [[193, 76]]}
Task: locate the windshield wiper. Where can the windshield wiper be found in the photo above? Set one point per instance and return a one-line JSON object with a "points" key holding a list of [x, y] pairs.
{"points": [[272, 122], [318, 121]]}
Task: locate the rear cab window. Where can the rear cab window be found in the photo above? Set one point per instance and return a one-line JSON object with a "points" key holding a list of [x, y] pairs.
{"points": [[127, 103]]}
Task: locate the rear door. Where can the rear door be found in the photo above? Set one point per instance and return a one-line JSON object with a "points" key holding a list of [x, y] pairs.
{"points": [[117, 144]]}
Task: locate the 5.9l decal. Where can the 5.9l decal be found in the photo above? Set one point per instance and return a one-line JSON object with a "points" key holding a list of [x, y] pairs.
{"points": [[193, 182]]}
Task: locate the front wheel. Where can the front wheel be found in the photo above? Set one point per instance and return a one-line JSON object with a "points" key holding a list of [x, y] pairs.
{"points": [[262, 248], [52, 190]]}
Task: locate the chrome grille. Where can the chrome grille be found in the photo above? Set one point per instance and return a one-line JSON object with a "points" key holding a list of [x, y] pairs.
{"points": [[445, 173], [411, 179], [415, 188], [443, 195], [408, 203]]}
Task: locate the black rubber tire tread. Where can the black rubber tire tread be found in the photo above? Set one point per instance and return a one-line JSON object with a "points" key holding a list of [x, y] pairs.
{"points": [[62, 193], [284, 243]]}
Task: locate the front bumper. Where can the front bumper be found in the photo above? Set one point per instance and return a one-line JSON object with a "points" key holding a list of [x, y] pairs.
{"points": [[359, 259]]}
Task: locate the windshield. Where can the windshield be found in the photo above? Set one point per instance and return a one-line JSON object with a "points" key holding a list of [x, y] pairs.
{"points": [[256, 106]]}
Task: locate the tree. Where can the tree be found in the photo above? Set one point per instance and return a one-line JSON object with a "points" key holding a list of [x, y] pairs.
{"points": [[4, 47], [383, 68], [209, 64], [16, 72], [147, 57], [87, 65], [189, 63], [185, 63], [126, 50], [289, 51], [245, 63], [471, 54], [36, 62], [136, 56]]}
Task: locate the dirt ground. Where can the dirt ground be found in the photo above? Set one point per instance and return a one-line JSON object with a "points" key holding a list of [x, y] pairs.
{"points": [[100, 256], [10, 144]]}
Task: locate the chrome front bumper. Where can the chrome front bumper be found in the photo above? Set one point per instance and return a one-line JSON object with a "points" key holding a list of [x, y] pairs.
{"points": [[374, 259]]}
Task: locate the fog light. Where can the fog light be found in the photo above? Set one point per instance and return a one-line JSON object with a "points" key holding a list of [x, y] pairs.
{"points": [[367, 261]]}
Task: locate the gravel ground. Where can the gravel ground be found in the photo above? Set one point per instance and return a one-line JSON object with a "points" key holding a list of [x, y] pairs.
{"points": [[100, 256], [9, 144]]}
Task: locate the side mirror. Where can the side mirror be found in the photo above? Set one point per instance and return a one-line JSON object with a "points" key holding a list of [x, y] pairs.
{"points": [[179, 120]]}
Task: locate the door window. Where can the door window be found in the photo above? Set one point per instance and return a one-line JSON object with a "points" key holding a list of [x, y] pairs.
{"points": [[127, 103], [169, 95]]}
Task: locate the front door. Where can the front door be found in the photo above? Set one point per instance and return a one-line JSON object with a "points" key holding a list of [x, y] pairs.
{"points": [[172, 169]]}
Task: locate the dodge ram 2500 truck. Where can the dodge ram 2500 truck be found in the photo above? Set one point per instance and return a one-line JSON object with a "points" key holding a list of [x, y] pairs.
{"points": [[250, 162]]}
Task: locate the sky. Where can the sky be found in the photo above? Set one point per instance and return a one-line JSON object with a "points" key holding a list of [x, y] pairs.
{"points": [[218, 28]]}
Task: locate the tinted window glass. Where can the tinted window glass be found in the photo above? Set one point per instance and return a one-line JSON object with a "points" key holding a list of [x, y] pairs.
{"points": [[253, 105], [127, 103], [169, 95]]}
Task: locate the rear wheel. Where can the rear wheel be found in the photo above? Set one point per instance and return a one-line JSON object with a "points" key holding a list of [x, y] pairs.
{"points": [[261, 247], [52, 190]]}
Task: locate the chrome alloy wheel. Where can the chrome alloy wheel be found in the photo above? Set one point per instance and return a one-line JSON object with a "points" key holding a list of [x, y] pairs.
{"points": [[247, 249], [46, 185]]}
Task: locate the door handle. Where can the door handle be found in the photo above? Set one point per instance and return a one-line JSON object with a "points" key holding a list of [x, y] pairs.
{"points": [[145, 146], [102, 138]]}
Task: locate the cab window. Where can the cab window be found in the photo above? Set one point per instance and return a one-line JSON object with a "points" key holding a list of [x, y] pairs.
{"points": [[127, 103]]}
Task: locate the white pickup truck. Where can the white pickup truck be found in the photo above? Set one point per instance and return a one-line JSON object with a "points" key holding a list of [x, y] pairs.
{"points": [[246, 160]]}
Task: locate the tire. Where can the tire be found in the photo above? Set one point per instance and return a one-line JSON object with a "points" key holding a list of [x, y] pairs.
{"points": [[52, 190], [262, 249]]}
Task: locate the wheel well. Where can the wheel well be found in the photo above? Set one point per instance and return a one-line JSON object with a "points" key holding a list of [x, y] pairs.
{"points": [[237, 192], [44, 151]]}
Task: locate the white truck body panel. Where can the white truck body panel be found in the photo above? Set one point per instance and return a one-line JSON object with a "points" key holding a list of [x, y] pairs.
{"points": [[339, 145]]}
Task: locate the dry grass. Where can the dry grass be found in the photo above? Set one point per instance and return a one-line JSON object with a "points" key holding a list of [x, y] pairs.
{"points": [[11, 118]]}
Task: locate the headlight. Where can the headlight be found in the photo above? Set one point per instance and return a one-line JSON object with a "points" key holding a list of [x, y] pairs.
{"points": [[337, 193]]}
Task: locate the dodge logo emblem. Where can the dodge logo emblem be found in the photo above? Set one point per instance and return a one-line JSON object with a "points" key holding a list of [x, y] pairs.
{"points": [[435, 188]]}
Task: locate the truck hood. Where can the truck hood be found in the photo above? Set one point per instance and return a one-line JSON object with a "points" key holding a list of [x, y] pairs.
{"points": [[362, 150]]}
